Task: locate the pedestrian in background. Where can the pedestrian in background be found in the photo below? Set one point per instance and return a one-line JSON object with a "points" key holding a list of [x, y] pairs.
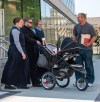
{"points": [[38, 31], [16, 70]]}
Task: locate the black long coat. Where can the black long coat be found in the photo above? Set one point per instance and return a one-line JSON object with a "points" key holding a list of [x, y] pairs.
{"points": [[16, 70], [32, 51]]}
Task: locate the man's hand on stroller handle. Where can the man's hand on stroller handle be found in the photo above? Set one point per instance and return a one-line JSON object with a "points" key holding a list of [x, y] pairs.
{"points": [[38, 42]]}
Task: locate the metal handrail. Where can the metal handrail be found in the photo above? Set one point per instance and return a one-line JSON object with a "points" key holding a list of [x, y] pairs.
{"points": [[4, 40], [4, 48], [4, 36]]}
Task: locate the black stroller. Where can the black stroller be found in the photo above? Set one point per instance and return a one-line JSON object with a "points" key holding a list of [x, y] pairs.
{"points": [[61, 65]]}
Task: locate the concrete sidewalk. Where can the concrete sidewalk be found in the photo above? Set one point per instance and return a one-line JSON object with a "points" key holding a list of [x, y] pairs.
{"points": [[68, 94]]}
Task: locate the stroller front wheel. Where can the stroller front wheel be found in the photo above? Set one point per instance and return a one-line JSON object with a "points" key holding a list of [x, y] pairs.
{"points": [[63, 81], [81, 84], [48, 80]]}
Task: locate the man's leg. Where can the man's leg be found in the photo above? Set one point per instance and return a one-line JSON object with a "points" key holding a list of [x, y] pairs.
{"points": [[89, 66], [79, 60]]}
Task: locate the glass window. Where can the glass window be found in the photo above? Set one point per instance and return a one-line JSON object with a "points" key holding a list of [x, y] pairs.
{"points": [[54, 23], [43, 7], [69, 4], [31, 8], [21, 8], [0, 3], [12, 9]]}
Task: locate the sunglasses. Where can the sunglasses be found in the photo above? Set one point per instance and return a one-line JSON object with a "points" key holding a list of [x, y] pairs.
{"points": [[30, 22]]}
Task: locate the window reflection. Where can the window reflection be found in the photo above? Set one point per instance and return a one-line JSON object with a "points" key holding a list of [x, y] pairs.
{"points": [[12, 9], [0, 3], [31, 8], [70, 4], [21, 8], [55, 24]]}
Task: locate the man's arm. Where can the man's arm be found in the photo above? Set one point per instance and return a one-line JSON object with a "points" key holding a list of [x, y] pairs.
{"points": [[16, 34], [92, 41], [94, 36], [74, 37]]}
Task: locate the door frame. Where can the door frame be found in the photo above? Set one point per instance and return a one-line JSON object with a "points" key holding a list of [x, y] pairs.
{"points": [[2, 31]]}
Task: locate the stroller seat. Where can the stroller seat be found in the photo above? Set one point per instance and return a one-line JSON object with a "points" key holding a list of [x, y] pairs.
{"points": [[52, 49]]}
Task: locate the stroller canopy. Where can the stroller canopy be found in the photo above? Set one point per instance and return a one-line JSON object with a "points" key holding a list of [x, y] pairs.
{"points": [[65, 44], [68, 45]]}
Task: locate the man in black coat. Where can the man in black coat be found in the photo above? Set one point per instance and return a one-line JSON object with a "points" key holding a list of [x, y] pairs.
{"points": [[31, 44]]}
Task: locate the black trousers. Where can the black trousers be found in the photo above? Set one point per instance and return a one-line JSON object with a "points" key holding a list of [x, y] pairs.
{"points": [[35, 71]]}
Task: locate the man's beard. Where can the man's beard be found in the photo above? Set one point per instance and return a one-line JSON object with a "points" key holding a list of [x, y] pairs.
{"points": [[29, 26]]}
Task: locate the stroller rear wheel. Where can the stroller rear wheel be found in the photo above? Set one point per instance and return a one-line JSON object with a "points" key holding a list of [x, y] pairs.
{"points": [[48, 81], [81, 84], [62, 80]]}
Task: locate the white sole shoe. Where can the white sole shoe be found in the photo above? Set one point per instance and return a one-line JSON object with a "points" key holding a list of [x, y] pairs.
{"points": [[90, 85]]}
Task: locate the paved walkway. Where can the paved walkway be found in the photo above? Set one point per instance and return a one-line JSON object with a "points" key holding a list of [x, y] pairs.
{"points": [[68, 94]]}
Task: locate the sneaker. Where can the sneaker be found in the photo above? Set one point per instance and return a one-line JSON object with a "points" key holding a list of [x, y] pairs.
{"points": [[9, 87], [90, 84]]}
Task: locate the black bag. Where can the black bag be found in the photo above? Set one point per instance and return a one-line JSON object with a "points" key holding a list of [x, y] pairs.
{"points": [[42, 61]]}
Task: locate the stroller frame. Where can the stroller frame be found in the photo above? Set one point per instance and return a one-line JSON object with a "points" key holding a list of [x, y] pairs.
{"points": [[56, 69]]}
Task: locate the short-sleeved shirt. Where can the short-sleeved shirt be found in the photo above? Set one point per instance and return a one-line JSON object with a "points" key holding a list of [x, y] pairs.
{"points": [[84, 29]]}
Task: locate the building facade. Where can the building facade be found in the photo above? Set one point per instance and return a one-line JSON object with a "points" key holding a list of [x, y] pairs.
{"points": [[95, 21], [70, 4], [57, 15]]}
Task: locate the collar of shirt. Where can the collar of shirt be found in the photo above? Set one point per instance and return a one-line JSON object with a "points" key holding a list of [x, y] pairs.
{"points": [[17, 27], [38, 28]]}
